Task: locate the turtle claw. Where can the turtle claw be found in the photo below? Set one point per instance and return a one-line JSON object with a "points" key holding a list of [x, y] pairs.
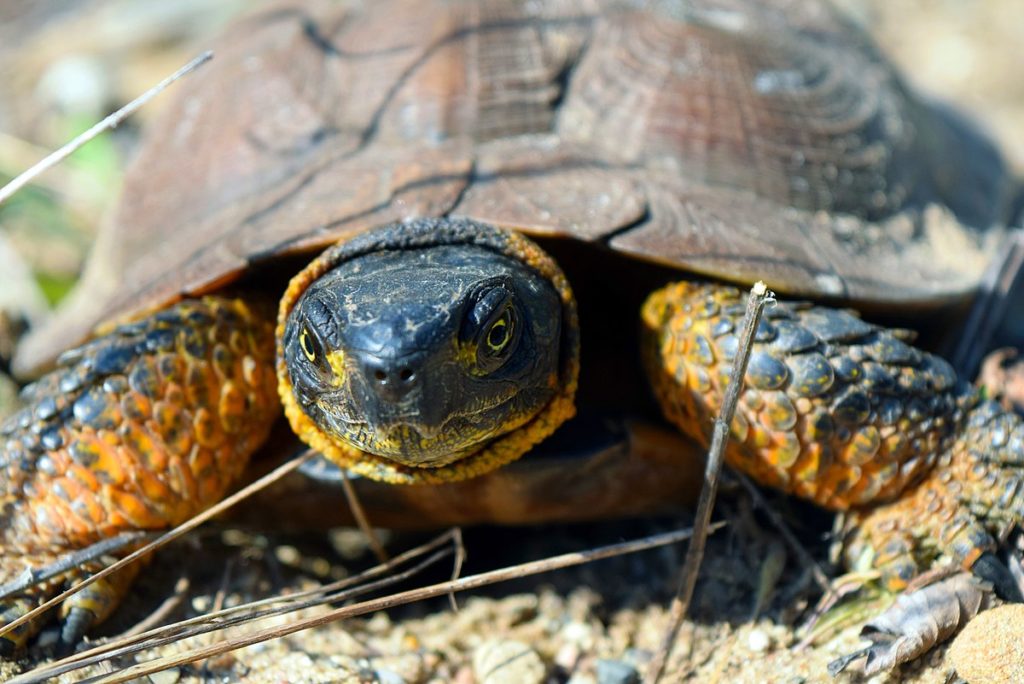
{"points": [[989, 568], [76, 623], [80, 611], [14, 641]]}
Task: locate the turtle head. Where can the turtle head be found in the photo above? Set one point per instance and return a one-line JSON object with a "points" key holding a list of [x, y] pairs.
{"points": [[428, 351]]}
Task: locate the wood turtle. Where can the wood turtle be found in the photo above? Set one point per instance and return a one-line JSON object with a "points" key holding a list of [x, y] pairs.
{"points": [[502, 188]]}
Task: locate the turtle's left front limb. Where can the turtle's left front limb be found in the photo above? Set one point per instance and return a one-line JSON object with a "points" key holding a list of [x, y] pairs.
{"points": [[850, 416], [973, 495]]}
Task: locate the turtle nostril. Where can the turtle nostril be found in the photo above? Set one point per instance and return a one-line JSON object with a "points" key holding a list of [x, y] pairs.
{"points": [[391, 379]]}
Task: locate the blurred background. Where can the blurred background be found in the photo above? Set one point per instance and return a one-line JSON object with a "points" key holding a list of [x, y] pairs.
{"points": [[64, 64]]}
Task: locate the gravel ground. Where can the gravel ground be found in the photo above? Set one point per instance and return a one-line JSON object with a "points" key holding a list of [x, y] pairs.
{"points": [[593, 624]]}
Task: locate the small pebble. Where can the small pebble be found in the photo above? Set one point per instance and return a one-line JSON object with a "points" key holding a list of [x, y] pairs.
{"points": [[507, 662], [464, 675], [758, 641], [582, 678], [289, 555], [578, 632], [407, 667], [223, 661], [388, 676], [170, 676], [638, 657], [9, 402], [567, 657], [616, 672], [990, 649]]}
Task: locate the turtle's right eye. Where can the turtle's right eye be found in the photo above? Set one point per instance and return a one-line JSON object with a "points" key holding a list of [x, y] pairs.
{"points": [[309, 344]]}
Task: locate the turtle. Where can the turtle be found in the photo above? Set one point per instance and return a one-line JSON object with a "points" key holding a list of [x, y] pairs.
{"points": [[473, 218]]}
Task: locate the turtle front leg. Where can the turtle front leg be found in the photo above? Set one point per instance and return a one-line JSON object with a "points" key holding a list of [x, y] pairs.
{"points": [[139, 429], [971, 498], [847, 415]]}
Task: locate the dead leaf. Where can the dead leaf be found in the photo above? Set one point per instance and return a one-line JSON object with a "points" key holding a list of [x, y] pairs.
{"points": [[917, 621]]}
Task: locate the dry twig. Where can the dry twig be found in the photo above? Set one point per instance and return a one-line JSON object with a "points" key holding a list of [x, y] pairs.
{"points": [[112, 121], [381, 603], [166, 607], [759, 297], [360, 515], [70, 561], [171, 635], [240, 614]]}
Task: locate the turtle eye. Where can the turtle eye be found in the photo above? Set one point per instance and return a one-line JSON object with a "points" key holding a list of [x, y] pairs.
{"points": [[498, 340], [500, 333], [492, 327], [309, 345]]}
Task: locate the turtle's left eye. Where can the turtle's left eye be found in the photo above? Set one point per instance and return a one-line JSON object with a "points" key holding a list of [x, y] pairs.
{"points": [[501, 331], [309, 344], [492, 327]]}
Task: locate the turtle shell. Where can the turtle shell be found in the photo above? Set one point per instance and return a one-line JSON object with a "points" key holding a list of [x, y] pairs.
{"points": [[736, 139]]}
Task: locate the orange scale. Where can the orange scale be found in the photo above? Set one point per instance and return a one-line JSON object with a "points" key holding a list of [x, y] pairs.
{"points": [[808, 466], [174, 395], [862, 447], [697, 379], [197, 385], [201, 463], [849, 477], [134, 510], [252, 371], [45, 519], [866, 490], [209, 490], [175, 428], [109, 466], [139, 441], [206, 429], [669, 346], [84, 476], [779, 412], [785, 450], [181, 480], [94, 510], [237, 343], [73, 526], [231, 407], [136, 407], [759, 437], [171, 369], [740, 427], [107, 438], [152, 487]]}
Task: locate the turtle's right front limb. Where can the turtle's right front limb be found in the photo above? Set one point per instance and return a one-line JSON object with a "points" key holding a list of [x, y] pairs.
{"points": [[139, 429]]}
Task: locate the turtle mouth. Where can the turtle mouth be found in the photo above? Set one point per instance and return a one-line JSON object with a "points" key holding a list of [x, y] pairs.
{"points": [[406, 439]]}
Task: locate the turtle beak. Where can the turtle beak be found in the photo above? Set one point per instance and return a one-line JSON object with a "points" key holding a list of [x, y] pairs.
{"points": [[396, 391]]}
